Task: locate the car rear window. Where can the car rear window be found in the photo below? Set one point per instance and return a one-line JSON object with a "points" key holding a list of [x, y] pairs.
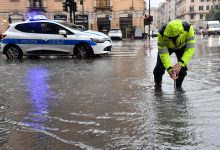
{"points": [[27, 27], [114, 30]]}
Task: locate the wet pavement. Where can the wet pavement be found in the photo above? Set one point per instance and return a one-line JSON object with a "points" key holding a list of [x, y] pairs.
{"points": [[110, 102]]}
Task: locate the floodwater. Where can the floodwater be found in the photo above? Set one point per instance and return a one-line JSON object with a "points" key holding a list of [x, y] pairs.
{"points": [[109, 102]]}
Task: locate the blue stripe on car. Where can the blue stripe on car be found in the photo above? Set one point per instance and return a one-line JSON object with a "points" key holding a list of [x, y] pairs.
{"points": [[47, 42]]}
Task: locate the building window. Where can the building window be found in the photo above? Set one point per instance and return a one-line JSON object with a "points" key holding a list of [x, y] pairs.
{"points": [[35, 3], [201, 16], [103, 2], [192, 1], [201, 0], [191, 8], [208, 0], [207, 7], [200, 8], [191, 17]]}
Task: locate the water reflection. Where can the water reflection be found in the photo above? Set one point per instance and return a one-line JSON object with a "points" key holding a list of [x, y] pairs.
{"points": [[173, 115], [36, 85], [38, 96], [213, 41], [4, 131]]}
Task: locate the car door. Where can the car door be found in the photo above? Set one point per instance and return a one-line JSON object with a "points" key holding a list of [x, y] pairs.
{"points": [[30, 39], [53, 42]]}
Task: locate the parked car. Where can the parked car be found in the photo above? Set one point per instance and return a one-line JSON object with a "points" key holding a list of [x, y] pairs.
{"points": [[115, 34], [138, 33], [44, 37], [211, 28]]}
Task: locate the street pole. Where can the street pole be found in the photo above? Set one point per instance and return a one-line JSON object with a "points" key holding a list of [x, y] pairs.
{"points": [[83, 12], [71, 15], [149, 24], [74, 14]]}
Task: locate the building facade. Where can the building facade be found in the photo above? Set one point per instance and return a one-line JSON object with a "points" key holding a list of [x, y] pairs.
{"points": [[154, 13], [100, 15], [171, 9], [193, 11], [163, 12]]}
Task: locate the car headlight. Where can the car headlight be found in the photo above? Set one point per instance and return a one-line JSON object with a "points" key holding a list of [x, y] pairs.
{"points": [[98, 40]]}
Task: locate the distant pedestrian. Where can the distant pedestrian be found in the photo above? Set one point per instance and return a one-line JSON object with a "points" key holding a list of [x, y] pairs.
{"points": [[176, 37]]}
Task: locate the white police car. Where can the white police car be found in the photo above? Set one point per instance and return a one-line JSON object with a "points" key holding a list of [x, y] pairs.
{"points": [[44, 37]]}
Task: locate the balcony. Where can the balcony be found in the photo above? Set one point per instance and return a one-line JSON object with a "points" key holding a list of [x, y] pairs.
{"points": [[36, 5], [103, 5]]}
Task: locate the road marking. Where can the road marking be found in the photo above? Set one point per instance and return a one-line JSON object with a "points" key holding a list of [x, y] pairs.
{"points": [[124, 51]]}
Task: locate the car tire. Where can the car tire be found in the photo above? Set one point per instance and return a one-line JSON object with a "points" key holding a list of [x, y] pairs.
{"points": [[83, 51], [13, 52]]}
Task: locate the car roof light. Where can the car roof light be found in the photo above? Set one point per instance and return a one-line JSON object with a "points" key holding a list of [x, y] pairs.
{"points": [[37, 18]]}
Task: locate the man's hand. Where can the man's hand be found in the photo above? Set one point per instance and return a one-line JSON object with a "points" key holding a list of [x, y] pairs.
{"points": [[177, 68], [173, 73]]}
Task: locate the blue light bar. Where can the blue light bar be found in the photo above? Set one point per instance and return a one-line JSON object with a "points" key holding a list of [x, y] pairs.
{"points": [[37, 18]]}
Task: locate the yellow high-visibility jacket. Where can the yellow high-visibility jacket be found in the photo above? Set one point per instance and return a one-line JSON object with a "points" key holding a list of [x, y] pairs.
{"points": [[186, 37]]}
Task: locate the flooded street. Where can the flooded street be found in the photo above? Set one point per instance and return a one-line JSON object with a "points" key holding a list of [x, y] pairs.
{"points": [[109, 102]]}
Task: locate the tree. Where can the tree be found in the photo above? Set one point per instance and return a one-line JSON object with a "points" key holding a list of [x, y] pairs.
{"points": [[214, 13], [217, 14]]}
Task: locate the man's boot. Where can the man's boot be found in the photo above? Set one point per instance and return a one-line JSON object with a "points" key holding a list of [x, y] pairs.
{"points": [[179, 81], [158, 79], [158, 82]]}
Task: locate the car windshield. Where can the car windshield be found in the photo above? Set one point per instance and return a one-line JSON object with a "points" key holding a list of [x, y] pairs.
{"points": [[73, 26], [215, 25]]}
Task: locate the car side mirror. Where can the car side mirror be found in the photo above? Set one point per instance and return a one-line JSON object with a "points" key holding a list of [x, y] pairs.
{"points": [[63, 32]]}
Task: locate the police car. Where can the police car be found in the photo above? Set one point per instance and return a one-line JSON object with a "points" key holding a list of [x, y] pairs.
{"points": [[44, 37]]}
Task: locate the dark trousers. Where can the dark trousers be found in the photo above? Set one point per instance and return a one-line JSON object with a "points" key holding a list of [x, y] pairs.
{"points": [[159, 69]]}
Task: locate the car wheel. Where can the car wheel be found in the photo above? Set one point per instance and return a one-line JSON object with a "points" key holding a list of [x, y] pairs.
{"points": [[82, 51], [13, 52]]}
